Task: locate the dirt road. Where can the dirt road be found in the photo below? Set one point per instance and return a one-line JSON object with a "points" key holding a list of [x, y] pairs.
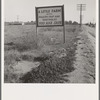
{"points": [[85, 58]]}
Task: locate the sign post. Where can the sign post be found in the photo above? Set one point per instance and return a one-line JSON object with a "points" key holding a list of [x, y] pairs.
{"points": [[63, 27], [50, 16], [36, 27]]}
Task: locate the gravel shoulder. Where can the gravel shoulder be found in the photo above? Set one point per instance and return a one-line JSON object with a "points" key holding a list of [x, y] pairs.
{"points": [[85, 58]]}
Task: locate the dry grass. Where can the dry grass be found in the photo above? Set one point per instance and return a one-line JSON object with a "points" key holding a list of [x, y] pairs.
{"points": [[10, 59], [21, 39]]}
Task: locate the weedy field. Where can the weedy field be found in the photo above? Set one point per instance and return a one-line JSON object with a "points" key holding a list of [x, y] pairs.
{"points": [[38, 58]]}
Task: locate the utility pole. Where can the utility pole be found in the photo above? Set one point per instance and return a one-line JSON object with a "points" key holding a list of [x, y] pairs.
{"points": [[81, 7], [17, 18]]}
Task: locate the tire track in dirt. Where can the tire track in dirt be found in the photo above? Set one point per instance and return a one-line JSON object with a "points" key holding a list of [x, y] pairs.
{"points": [[85, 59]]}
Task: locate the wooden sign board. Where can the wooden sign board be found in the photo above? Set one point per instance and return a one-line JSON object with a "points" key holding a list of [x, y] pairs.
{"points": [[50, 16]]}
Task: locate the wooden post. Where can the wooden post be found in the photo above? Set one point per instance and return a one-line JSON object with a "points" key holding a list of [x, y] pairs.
{"points": [[80, 15], [64, 34], [36, 27], [63, 27], [81, 8]]}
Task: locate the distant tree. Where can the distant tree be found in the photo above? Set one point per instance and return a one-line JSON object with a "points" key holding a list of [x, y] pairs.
{"points": [[70, 22], [34, 22], [87, 24], [75, 23], [66, 22]]}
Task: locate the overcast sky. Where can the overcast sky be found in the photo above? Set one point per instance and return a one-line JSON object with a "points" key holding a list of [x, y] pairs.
{"points": [[25, 9]]}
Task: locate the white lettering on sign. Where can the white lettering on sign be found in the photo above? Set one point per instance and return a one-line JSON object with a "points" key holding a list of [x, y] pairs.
{"points": [[49, 16]]}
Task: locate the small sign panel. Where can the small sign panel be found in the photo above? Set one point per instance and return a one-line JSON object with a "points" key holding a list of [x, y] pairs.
{"points": [[50, 16]]}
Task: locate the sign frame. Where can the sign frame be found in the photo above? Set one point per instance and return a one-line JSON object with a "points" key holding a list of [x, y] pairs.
{"points": [[36, 10], [63, 20]]}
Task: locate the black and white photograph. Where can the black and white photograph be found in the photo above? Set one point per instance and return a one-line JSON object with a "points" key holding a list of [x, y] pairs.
{"points": [[50, 41]]}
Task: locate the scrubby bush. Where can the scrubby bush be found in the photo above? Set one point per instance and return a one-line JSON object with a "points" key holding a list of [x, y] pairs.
{"points": [[49, 71]]}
